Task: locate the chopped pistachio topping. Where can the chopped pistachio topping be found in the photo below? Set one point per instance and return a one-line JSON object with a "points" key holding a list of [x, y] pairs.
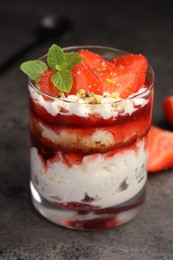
{"points": [[115, 95], [89, 97], [110, 81]]}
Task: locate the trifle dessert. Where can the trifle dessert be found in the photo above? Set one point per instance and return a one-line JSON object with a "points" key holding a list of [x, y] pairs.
{"points": [[90, 114]]}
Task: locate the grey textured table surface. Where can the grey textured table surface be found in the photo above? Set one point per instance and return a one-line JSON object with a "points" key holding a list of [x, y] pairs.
{"points": [[24, 234]]}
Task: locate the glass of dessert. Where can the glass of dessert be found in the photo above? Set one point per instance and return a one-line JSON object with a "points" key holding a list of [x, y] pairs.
{"points": [[90, 114]]}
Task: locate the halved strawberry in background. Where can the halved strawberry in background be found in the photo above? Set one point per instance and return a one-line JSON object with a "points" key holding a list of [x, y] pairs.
{"points": [[168, 109], [84, 78], [46, 84], [160, 149]]}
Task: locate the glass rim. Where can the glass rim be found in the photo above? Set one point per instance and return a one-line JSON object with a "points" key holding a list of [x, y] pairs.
{"points": [[99, 47]]}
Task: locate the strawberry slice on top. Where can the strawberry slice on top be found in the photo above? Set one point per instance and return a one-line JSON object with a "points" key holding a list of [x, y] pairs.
{"points": [[116, 79], [93, 61], [136, 64], [84, 78], [124, 75], [69, 72], [46, 84]]}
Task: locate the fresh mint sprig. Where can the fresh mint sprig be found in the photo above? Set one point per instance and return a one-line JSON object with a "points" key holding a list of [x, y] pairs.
{"points": [[34, 69], [55, 56], [62, 79], [59, 61]]}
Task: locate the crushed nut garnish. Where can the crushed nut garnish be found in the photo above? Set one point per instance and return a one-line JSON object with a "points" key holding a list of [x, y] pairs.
{"points": [[110, 81], [89, 97], [121, 66], [81, 93], [62, 95], [115, 95]]}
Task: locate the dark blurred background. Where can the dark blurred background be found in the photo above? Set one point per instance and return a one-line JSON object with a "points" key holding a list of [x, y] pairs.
{"points": [[135, 26]]}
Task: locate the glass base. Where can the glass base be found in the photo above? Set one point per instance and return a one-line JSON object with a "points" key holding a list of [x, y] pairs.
{"points": [[87, 218]]}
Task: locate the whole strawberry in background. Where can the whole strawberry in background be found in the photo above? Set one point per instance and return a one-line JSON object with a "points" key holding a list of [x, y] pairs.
{"points": [[168, 109], [160, 143], [160, 149]]}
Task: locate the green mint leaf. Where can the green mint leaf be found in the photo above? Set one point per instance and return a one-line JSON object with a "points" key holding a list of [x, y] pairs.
{"points": [[62, 80], [55, 56], [58, 60], [34, 68], [72, 58], [62, 66]]}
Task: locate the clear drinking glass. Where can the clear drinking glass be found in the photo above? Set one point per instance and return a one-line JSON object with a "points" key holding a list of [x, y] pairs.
{"points": [[88, 161]]}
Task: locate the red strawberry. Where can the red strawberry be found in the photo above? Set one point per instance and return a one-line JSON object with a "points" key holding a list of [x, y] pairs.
{"points": [[116, 79], [125, 75], [168, 109], [46, 84], [136, 65], [93, 60], [84, 78], [160, 149], [72, 158]]}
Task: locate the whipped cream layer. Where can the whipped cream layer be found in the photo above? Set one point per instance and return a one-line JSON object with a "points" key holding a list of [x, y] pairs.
{"points": [[109, 181], [107, 108]]}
